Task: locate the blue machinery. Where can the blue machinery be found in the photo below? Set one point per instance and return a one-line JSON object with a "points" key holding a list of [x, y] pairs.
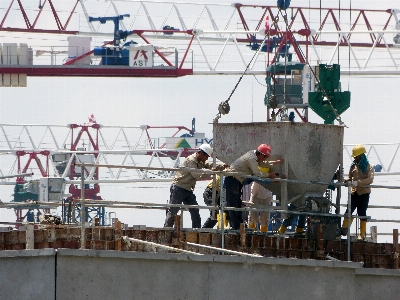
{"points": [[115, 55]]}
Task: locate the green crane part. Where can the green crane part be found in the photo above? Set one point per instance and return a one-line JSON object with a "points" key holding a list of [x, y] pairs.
{"points": [[328, 96]]}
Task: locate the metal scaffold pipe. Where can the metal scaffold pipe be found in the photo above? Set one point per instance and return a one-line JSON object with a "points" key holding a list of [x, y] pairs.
{"points": [[125, 238], [222, 250], [83, 215]]}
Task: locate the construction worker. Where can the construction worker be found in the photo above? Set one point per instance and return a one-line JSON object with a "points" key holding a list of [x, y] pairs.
{"points": [[260, 196], [247, 164], [184, 182], [301, 222], [361, 174], [207, 196]]}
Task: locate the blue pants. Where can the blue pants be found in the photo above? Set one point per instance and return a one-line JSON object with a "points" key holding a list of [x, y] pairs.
{"points": [[178, 196], [301, 222], [233, 199], [360, 202]]}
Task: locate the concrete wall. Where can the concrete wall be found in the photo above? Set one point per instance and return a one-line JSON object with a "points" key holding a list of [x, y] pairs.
{"points": [[90, 274], [377, 284], [27, 274], [130, 275]]}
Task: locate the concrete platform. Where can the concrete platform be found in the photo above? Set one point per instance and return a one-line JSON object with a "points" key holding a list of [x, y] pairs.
{"points": [[99, 274]]}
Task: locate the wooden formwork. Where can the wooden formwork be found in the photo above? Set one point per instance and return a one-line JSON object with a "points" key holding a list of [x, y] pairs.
{"points": [[372, 255]]}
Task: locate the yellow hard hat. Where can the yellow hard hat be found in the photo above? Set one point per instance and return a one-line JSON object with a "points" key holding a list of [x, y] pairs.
{"points": [[358, 150], [263, 169]]}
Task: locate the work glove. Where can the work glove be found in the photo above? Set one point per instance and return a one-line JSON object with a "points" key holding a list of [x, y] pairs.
{"points": [[354, 183]]}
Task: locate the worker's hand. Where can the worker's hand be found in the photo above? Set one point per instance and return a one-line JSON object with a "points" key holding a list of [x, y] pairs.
{"points": [[282, 176], [273, 175], [354, 183]]}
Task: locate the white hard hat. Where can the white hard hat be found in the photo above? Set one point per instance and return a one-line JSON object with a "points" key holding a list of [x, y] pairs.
{"points": [[207, 149]]}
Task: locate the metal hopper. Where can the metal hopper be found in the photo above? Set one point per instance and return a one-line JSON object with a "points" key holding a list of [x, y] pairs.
{"points": [[311, 152]]}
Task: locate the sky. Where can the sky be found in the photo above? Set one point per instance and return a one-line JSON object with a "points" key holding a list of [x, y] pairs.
{"points": [[372, 117]]}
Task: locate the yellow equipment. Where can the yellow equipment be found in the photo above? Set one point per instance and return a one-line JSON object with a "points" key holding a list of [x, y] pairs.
{"points": [[263, 169], [358, 150]]}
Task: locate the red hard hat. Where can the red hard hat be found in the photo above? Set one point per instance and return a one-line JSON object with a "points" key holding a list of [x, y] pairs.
{"points": [[264, 149]]}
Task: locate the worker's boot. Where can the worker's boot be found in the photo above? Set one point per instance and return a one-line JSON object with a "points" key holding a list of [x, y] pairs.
{"points": [[264, 228], [252, 226], [226, 223], [299, 230], [282, 229], [363, 230], [345, 224]]}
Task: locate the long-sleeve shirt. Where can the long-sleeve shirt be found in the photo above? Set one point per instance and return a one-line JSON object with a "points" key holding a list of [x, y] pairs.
{"points": [[187, 180], [362, 179], [259, 191], [248, 165]]}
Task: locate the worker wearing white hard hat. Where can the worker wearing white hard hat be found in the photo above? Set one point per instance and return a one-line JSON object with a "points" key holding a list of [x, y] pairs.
{"points": [[206, 148], [184, 182]]}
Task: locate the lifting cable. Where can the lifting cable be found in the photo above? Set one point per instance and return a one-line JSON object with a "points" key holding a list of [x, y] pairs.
{"points": [[223, 107], [337, 116], [348, 82], [283, 110], [273, 102]]}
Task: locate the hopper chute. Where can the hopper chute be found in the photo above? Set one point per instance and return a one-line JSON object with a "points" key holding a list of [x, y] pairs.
{"points": [[311, 152]]}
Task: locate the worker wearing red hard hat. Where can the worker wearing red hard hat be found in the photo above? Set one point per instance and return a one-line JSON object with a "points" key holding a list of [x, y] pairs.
{"points": [[247, 164], [184, 182]]}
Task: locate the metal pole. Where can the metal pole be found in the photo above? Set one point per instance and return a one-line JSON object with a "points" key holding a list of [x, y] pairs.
{"points": [[73, 220], [222, 199], [16, 175], [348, 221], [214, 187], [223, 250], [83, 215], [159, 245]]}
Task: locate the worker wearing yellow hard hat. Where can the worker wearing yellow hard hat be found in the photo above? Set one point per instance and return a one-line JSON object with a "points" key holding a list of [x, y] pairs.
{"points": [[207, 196], [260, 196], [361, 175]]}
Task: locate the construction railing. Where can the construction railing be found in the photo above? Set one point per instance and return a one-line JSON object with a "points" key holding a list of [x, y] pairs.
{"points": [[221, 209]]}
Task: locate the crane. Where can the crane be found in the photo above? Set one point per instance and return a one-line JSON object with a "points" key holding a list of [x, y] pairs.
{"points": [[208, 35]]}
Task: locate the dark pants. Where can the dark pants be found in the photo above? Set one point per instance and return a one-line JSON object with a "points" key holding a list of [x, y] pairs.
{"points": [[207, 196], [301, 222], [178, 196], [233, 199], [360, 202]]}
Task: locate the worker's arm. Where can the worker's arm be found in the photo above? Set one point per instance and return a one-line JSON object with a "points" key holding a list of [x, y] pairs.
{"points": [[369, 179], [276, 162], [253, 164]]}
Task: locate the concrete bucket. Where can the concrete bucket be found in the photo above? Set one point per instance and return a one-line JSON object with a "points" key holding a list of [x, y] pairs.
{"points": [[311, 153]]}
